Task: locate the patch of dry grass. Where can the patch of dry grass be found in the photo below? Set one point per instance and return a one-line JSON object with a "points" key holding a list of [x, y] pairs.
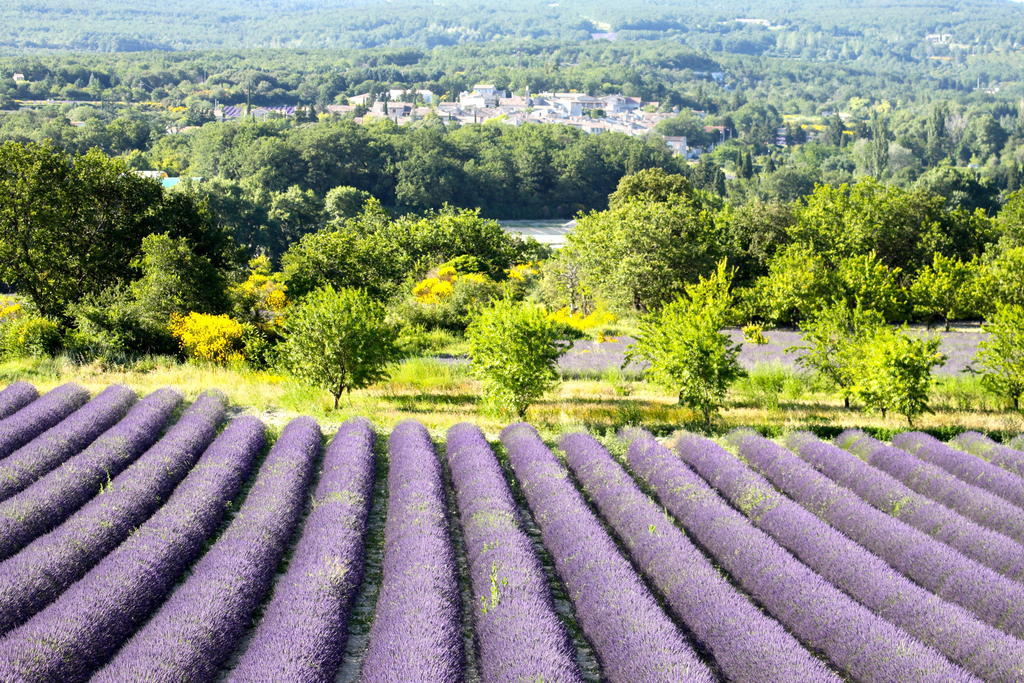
{"points": [[441, 395]]}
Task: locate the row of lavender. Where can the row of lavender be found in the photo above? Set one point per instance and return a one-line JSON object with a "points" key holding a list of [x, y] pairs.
{"points": [[825, 589], [110, 572]]}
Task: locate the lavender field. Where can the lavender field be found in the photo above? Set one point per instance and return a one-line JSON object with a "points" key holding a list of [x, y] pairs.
{"points": [[147, 538], [959, 346]]}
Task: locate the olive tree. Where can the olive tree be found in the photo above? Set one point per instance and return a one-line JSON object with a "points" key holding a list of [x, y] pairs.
{"points": [[339, 340], [514, 350]]}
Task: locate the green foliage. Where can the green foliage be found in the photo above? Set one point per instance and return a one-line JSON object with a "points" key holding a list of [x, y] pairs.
{"points": [[903, 228], [344, 202], [864, 279], [514, 351], [834, 338], [798, 283], [29, 336], [1000, 357], [685, 348], [455, 309], [1001, 280], [378, 254], [641, 253], [72, 225], [894, 372], [175, 280], [946, 289], [110, 328], [339, 340]]}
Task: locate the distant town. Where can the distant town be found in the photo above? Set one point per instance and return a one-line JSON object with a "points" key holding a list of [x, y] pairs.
{"points": [[485, 102]]}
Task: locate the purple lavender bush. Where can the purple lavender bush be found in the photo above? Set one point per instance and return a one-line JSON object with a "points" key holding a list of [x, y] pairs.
{"points": [[38, 416], [1010, 459], [952, 630], [201, 623], [16, 396], [888, 494], [63, 440], [36, 575], [415, 634], [301, 636], [968, 468], [855, 640], [995, 599], [984, 508], [81, 630], [51, 499], [633, 638], [520, 635], [747, 645]]}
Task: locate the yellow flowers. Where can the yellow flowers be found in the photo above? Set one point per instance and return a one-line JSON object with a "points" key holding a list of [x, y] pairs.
{"points": [[9, 308], [523, 271], [584, 323], [212, 338], [437, 289], [261, 297]]}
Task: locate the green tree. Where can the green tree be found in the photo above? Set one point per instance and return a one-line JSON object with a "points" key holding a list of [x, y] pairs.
{"points": [[71, 226], [685, 348], [641, 253], [339, 340], [799, 282], [945, 289], [832, 341], [514, 350], [864, 278], [894, 372], [175, 279], [344, 202], [1000, 357]]}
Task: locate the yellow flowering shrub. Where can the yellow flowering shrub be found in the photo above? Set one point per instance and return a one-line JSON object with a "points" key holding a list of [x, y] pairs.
{"points": [[583, 323], [9, 308], [212, 338], [439, 288], [523, 271], [262, 297]]}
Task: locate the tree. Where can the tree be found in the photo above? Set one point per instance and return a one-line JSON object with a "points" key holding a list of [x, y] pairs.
{"points": [[641, 253], [71, 226], [894, 372], [514, 350], [344, 202], [833, 337], [1000, 357], [799, 281], [339, 340], [683, 344], [175, 280], [945, 289]]}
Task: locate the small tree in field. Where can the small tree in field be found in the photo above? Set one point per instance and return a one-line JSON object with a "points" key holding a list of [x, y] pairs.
{"points": [[894, 372], [1001, 357], [339, 340], [832, 342], [685, 348], [514, 349]]}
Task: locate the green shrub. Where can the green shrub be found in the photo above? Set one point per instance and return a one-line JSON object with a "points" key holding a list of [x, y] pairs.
{"points": [[685, 348], [30, 337], [514, 348], [339, 340]]}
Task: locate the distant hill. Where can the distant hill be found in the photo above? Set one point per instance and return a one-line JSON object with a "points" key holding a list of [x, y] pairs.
{"points": [[143, 25]]}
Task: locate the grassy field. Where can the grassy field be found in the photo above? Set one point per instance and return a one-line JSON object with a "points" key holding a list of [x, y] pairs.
{"points": [[774, 399]]}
